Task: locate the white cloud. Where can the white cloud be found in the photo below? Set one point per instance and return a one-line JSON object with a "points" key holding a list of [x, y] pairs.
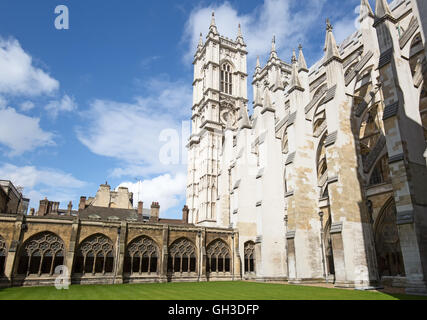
{"points": [[273, 17], [66, 104], [41, 183], [130, 132], [166, 189], [3, 102], [21, 133], [18, 75], [26, 106]]}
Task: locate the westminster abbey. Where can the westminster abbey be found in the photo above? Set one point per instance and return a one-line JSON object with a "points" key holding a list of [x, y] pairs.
{"points": [[324, 182]]}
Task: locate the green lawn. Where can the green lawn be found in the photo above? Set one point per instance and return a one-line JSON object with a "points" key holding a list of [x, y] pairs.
{"points": [[194, 291]]}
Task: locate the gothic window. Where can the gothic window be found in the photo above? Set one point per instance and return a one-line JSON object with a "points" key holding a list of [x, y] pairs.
{"points": [[369, 131], [328, 248], [380, 173], [95, 256], [423, 108], [249, 257], [226, 84], [2, 255], [387, 242], [182, 256], [41, 254], [141, 256], [218, 257]]}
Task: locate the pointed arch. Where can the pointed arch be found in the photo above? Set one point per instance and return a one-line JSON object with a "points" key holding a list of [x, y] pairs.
{"points": [[95, 255], [249, 256], [218, 257], [182, 256], [387, 242], [142, 256], [41, 254], [381, 172], [327, 240]]}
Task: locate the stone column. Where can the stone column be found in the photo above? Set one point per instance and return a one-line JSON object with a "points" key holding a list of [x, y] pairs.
{"points": [[72, 247], [164, 255], [12, 259], [122, 235], [237, 266], [202, 255]]}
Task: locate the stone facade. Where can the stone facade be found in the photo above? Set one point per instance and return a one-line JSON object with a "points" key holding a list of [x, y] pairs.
{"points": [[326, 179], [106, 245]]}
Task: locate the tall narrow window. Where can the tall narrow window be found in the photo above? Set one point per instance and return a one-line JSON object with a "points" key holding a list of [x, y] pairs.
{"points": [[249, 257], [226, 84]]}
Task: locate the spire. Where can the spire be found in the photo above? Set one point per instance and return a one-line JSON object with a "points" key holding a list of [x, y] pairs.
{"points": [[331, 49], [295, 82], [213, 28], [240, 36], [273, 48], [200, 41], [301, 60], [244, 118], [382, 9], [365, 9], [258, 66]]}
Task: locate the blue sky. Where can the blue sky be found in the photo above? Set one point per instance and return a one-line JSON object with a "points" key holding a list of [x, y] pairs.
{"points": [[83, 106]]}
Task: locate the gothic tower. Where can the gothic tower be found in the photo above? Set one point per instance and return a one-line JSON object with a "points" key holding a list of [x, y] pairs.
{"points": [[219, 92]]}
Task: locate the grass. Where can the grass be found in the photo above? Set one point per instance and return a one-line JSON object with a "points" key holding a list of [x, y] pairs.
{"points": [[195, 291]]}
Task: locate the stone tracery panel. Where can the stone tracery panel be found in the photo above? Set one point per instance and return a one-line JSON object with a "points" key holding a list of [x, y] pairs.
{"points": [[182, 256], [95, 256], [3, 253], [249, 255], [141, 256], [218, 257], [41, 254]]}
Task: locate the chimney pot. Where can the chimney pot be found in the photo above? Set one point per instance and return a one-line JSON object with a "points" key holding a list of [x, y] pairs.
{"points": [[140, 207], [82, 204]]}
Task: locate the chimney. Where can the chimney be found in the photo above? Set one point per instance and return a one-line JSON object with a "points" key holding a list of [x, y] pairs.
{"points": [[140, 207], [43, 207], [70, 208], [32, 212], [55, 207], [185, 212], [154, 214], [82, 204]]}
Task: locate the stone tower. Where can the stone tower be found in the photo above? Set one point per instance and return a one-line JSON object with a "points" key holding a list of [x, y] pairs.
{"points": [[219, 92]]}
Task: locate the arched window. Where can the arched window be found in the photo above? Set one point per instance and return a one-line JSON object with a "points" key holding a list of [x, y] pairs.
{"points": [[249, 257], [95, 255], [41, 254], [141, 256], [328, 248], [226, 84], [3, 253], [182, 256], [380, 173], [218, 255], [387, 242], [369, 132]]}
